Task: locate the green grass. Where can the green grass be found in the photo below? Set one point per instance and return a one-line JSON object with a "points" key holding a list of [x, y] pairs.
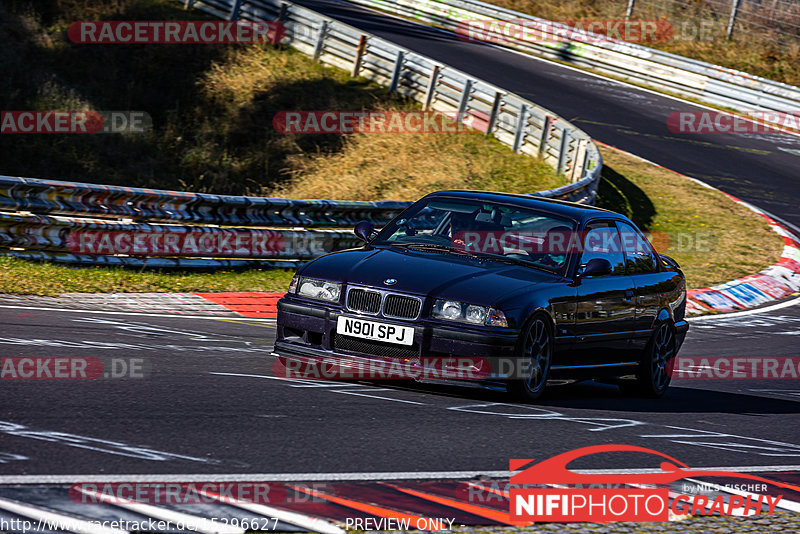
{"points": [[212, 108], [691, 223], [34, 278]]}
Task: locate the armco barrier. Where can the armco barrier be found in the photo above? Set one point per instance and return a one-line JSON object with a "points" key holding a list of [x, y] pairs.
{"points": [[677, 74], [153, 205], [82, 223]]}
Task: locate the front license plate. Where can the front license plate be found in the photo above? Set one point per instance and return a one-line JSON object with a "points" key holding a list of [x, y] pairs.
{"points": [[390, 333]]}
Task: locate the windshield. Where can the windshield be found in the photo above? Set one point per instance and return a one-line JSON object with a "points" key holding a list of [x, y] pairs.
{"points": [[483, 229]]}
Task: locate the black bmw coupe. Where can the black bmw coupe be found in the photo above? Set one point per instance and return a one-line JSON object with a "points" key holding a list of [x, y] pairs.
{"points": [[528, 290]]}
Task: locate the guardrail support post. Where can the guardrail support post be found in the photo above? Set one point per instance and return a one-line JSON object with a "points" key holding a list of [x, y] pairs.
{"points": [[732, 19], [498, 99], [430, 92], [629, 11], [234, 14], [282, 13], [548, 125], [323, 29], [462, 104], [562, 151], [362, 47], [580, 160], [398, 66], [519, 134]]}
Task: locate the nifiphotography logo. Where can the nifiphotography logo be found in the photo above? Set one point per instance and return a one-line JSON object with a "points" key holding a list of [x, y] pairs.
{"points": [[548, 491]]}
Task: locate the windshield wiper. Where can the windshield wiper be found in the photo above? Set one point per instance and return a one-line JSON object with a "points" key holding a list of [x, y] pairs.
{"points": [[433, 246], [514, 261]]}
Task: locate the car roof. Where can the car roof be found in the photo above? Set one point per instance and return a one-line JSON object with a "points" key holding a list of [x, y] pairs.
{"points": [[573, 210]]}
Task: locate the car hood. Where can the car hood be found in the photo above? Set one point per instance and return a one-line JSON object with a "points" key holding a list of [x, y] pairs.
{"points": [[433, 274]]}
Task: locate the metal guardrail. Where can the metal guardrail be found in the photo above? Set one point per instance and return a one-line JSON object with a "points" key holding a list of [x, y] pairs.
{"points": [[679, 75], [154, 205], [48, 220]]}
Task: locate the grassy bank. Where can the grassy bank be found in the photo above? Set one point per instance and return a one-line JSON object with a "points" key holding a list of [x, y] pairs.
{"points": [[689, 222], [714, 239], [212, 108], [34, 278], [396, 167]]}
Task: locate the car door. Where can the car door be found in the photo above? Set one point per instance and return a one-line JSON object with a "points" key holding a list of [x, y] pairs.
{"points": [[650, 283], [605, 313]]}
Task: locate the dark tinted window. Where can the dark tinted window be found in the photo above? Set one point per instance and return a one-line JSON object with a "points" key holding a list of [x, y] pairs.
{"points": [[602, 241], [485, 229], [638, 254]]}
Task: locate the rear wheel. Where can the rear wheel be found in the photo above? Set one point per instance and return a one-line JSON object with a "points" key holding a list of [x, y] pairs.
{"points": [[655, 368], [535, 352]]}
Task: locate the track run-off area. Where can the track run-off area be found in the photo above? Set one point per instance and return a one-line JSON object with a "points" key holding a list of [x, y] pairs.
{"points": [[204, 400]]}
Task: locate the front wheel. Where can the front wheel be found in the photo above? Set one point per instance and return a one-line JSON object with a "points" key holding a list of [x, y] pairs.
{"points": [[655, 368], [535, 352]]}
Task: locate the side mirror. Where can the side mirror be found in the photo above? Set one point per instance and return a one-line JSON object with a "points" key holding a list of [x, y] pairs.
{"points": [[670, 261], [595, 267], [364, 231]]}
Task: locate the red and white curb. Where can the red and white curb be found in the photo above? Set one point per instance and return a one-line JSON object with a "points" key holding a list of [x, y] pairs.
{"points": [[250, 305], [776, 282]]}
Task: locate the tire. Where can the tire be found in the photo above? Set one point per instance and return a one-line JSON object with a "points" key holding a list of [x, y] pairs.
{"points": [[535, 352], [655, 368]]}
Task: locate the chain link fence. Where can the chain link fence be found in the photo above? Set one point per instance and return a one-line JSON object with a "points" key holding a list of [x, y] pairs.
{"points": [[774, 21]]}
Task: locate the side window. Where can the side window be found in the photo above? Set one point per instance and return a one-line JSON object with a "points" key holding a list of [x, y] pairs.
{"points": [[639, 256], [602, 241]]}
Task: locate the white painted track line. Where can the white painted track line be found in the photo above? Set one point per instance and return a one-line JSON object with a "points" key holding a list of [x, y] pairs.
{"points": [[328, 477], [48, 520], [151, 315], [191, 522], [311, 523], [788, 303]]}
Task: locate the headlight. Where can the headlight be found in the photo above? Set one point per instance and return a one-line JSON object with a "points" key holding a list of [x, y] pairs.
{"points": [[293, 285], [451, 310], [319, 289]]}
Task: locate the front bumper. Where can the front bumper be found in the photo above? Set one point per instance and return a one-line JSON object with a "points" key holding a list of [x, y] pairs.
{"points": [[307, 333]]}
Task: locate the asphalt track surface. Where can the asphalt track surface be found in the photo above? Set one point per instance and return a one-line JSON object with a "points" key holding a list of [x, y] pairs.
{"points": [[758, 168], [208, 403]]}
